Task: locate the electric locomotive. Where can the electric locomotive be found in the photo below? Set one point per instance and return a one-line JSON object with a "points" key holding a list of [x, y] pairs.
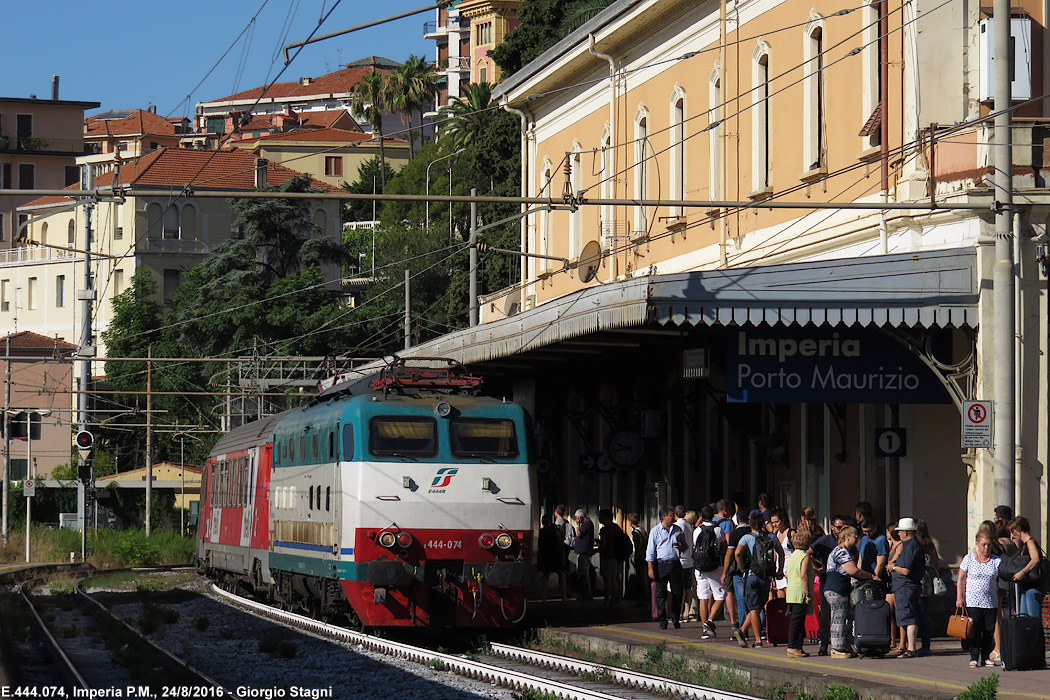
{"points": [[403, 500]]}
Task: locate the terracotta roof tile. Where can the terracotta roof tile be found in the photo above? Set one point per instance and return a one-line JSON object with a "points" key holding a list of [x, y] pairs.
{"points": [[337, 83], [232, 170], [336, 118], [28, 340], [337, 135], [136, 122]]}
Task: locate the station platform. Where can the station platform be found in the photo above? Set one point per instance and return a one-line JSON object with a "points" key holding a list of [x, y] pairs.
{"points": [[627, 630]]}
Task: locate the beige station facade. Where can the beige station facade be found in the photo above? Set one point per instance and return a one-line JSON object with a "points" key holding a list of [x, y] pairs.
{"points": [[643, 369]]}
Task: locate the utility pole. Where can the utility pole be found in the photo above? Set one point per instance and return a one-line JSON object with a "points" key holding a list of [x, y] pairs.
{"points": [[149, 436], [1003, 271], [473, 305], [408, 313], [87, 350], [7, 444]]}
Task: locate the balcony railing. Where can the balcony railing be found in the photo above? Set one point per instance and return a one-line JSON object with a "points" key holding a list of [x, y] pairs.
{"points": [[24, 254], [459, 62], [433, 29], [40, 144], [172, 245]]}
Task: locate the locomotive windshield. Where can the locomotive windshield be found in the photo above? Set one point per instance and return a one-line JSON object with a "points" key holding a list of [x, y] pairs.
{"points": [[403, 436], [483, 437]]}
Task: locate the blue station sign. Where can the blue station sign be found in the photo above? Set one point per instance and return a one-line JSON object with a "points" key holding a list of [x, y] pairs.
{"points": [[812, 364]]}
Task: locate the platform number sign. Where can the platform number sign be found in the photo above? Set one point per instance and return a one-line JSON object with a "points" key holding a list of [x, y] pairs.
{"points": [[890, 442], [977, 424]]}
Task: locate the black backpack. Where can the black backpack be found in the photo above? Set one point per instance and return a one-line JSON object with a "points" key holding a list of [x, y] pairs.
{"points": [[705, 553], [764, 561]]}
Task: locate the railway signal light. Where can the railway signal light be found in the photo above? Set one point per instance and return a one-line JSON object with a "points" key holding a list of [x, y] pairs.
{"points": [[85, 440]]}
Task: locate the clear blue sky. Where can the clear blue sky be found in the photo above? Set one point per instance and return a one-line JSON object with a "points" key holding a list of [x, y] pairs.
{"points": [[133, 53]]}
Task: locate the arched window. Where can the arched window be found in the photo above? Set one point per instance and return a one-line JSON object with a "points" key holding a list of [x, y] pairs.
{"points": [[677, 149], [43, 233], [545, 217], [189, 222], [71, 232], [714, 116], [320, 219], [154, 212], [608, 189], [760, 132], [871, 85], [813, 147], [171, 222], [642, 155]]}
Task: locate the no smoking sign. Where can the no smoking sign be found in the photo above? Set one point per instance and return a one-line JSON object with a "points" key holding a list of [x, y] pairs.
{"points": [[977, 424]]}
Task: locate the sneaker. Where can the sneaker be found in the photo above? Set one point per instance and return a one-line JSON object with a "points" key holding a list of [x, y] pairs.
{"points": [[710, 628], [740, 639], [705, 635]]}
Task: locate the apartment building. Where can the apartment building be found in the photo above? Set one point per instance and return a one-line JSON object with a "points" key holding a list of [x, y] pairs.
{"points": [[40, 140], [332, 156], [132, 132], [40, 416], [464, 32], [165, 233]]}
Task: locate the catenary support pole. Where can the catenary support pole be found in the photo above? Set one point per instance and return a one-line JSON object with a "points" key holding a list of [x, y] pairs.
{"points": [[86, 350], [1003, 271], [29, 475], [408, 311], [7, 442], [473, 306], [149, 437]]}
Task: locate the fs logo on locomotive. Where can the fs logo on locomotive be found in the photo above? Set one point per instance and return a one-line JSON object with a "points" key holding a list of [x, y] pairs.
{"points": [[442, 479]]}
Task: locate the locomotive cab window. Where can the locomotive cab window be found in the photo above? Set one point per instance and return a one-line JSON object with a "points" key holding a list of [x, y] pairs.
{"points": [[491, 438], [348, 442], [408, 436]]}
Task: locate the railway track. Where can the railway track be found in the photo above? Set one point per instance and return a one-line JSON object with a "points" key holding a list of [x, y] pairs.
{"points": [[73, 646], [507, 666]]}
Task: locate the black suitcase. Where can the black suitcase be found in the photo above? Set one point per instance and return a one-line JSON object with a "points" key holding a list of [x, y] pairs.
{"points": [[1022, 646], [871, 627]]}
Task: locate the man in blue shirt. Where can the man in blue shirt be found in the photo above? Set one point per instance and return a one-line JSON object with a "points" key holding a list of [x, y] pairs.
{"points": [[873, 548], [756, 584], [666, 542]]}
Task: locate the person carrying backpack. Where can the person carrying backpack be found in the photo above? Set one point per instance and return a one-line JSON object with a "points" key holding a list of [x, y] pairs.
{"points": [[708, 550], [766, 563]]}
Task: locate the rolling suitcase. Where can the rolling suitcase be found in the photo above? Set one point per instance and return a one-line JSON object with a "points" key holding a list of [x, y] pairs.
{"points": [[777, 619], [813, 619], [871, 627], [1022, 646]]}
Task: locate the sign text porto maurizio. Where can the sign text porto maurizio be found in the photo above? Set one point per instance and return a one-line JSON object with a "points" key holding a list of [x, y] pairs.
{"points": [[826, 365]]}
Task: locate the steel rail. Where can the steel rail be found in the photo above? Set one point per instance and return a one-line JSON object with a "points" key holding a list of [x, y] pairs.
{"points": [[482, 671], [633, 679], [67, 667]]}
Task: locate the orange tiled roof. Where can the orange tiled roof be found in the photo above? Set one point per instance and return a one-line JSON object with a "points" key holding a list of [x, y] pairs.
{"points": [[230, 170], [337, 83], [329, 118], [50, 199], [326, 135], [132, 123], [28, 340]]}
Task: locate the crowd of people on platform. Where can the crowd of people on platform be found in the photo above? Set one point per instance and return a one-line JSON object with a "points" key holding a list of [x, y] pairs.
{"points": [[726, 562]]}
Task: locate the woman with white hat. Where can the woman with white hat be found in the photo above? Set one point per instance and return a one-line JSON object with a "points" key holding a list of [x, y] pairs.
{"points": [[907, 573]]}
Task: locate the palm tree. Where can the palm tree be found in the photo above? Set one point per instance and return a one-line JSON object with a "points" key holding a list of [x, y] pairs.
{"points": [[465, 118], [413, 86], [369, 98]]}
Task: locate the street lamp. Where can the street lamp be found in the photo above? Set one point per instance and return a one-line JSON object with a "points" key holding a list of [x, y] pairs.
{"points": [[453, 153]]}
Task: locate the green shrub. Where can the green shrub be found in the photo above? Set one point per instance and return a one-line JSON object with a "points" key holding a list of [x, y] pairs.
{"points": [[985, 689], [436, 664], [837, 691]]}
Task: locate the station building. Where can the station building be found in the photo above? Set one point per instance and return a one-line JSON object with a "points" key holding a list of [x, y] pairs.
{"points": [[680, 354]]}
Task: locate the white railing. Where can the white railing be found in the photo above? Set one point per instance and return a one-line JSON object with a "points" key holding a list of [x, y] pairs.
{"points": [[24, 254]]}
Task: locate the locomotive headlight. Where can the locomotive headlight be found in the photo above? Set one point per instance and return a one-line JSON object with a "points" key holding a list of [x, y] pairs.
{"points": [[443, 409], [487, 541], [504, 540], [388, 539], [404, 540]]}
